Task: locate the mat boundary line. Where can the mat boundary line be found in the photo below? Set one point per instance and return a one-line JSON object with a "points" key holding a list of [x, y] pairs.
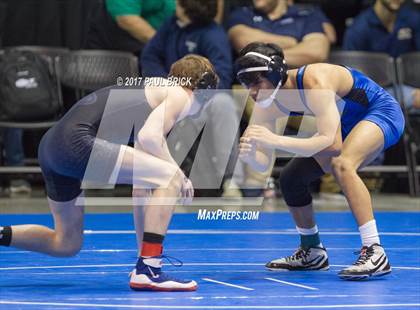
{"points": [[32, 303]]}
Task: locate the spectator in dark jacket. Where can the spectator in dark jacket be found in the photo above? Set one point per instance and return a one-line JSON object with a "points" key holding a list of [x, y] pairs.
{"points": [[388, 27], [193, 31], [298, 31]]}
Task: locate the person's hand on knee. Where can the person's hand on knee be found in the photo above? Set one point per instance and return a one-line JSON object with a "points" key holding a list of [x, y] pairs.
{"points": [[187, 191], [142, 196], [416, 98]]}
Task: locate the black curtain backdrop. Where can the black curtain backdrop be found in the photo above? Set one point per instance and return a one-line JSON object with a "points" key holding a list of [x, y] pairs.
{"points": [[45, 22], [59, 23]]}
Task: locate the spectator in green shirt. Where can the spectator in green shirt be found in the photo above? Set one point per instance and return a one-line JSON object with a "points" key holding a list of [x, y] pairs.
{"points": [[128, 25]]}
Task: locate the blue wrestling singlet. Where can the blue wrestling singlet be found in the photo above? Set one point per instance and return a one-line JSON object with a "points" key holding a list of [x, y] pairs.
{"points": [[367, 101]]}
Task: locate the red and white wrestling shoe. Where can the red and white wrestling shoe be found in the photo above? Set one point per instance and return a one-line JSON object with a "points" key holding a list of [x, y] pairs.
{"points": [[147, 276]]}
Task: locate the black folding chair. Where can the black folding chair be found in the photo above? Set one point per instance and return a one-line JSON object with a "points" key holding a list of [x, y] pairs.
{"points": [[52, 56], [408, 68], [89, 70], [43, 51], [380, 67]]}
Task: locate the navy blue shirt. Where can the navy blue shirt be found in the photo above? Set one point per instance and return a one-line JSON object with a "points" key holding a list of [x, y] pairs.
{"points": [[296, 23], [367, 33], [172, 42]]}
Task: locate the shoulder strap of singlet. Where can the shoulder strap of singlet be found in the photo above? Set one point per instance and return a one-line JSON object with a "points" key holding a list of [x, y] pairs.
{"points": [[299, 82], [351, 71]]}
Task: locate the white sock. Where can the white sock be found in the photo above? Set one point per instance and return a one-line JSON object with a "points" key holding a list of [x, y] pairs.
{"points": [[369, 233], [307, 231]]}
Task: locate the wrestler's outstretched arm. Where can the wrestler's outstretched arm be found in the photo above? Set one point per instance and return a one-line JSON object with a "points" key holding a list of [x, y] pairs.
{"points": [[327, 121], [260, 158]]}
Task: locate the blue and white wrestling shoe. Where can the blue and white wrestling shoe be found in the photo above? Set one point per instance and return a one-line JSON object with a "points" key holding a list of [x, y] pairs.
{"points": [[147, 276], [315, 258], [372, 262]]}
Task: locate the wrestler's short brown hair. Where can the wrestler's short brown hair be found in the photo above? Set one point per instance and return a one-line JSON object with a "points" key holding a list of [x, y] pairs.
{"points": [[192, 66]]}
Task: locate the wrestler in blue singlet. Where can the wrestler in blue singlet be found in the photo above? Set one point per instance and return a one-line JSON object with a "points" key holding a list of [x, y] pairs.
{"points": [[370, 102]]}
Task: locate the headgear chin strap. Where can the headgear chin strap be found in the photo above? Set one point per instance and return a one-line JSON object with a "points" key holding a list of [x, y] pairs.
{"points": [[265, 103]]}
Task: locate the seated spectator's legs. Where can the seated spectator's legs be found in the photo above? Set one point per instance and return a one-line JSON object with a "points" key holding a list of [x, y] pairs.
{"points": [[252, 182], [13, 147], [218, 121], [223, 113], [14, 156], [221, 117], [411, 97]]}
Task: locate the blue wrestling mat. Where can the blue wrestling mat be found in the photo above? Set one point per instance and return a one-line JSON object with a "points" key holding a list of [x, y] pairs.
{"points": [[227, 260]]}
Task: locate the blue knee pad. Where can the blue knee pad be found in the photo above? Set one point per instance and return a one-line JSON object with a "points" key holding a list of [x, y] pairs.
{"points": [[295, 179]]}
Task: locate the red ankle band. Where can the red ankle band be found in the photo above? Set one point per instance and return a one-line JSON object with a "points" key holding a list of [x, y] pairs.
{"points": [[151, 249]]}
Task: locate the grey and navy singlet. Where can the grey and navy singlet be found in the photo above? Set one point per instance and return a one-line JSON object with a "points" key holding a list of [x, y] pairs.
{"points": [[65, 149]]}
